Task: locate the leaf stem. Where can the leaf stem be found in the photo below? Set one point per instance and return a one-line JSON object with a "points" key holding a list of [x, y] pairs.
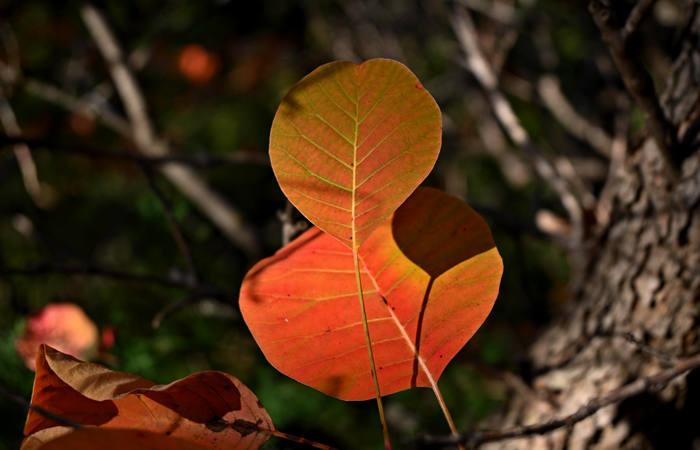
{"points": [[428, 375], [445, 411], [373, 370]]}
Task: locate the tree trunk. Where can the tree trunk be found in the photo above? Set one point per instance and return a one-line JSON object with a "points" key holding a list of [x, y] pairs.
{"points": [[638, 304]]}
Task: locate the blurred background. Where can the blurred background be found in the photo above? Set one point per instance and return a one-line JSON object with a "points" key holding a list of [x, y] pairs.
{"points": [[84, 220]]}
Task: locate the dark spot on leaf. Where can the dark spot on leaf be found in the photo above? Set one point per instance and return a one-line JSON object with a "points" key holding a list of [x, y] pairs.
{"points": [[260, 405], [419, 86], [217, 425], [440, 356], [244, 427]]}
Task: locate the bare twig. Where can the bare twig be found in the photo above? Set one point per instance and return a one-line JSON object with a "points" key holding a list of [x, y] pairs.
{"points": [[228, 219], [23, 154], [554, 99], [653, 351], [171, 308], [617, 160], [11, 71], [290, 226], [479, 67], [635, 17], [173, 225], [197, 160], [497, 10], [14, 398], [652, 383], [54, 95], [197, 290], [46, 268], [637, 80]]}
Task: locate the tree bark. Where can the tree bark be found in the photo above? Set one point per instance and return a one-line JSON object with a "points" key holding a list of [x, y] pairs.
{"points": [[637, 305]]}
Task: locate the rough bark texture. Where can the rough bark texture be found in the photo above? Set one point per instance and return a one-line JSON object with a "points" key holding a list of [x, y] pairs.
{"points": [[641, 278]]}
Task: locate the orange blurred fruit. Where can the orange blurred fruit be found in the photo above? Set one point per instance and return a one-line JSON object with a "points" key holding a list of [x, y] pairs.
{"points": [[197, 64]]}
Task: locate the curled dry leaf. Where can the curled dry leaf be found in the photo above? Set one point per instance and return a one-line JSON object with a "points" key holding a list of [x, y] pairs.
{"points": [[204, 408], [349, 143], [430, 276], [64, 326]]}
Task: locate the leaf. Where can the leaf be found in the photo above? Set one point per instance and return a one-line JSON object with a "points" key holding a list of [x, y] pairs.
{"points": [[203, 408], [111, 439], [431, 276], [64, 326], [349, 143]]}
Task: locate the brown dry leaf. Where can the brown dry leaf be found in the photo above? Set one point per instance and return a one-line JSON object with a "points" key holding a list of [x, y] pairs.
{"points": [[203, 408]]}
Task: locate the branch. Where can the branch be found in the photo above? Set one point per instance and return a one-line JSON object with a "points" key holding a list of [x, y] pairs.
{"points": [[635, 18], [198, 290], [635, 77], [45, 268], [197, 160], [652, 383], [290, 226], [14, 398], [173, 225], [228, 219], [549, 89], [476, 63], [54, 95], [27, 168]]}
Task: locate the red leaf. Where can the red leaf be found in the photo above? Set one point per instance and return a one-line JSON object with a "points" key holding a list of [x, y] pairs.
{"points": [[201, 408], [431, 275], [349, 143]]}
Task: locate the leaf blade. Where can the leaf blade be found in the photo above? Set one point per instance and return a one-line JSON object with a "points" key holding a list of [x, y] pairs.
{"points": [[345, 131], [90, 394], [302, 298]]}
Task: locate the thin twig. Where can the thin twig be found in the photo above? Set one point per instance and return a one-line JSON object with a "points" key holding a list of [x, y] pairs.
{"points": [[47, 268], [476, 63], [197, 290], [23, 154], [646, 348], [290, 227], [219, 211], [171, 308], [635, 17], [652, 383], [637, 80], [56, 96], [14, 398], [197, 160], [554, 99], [173, 225]]}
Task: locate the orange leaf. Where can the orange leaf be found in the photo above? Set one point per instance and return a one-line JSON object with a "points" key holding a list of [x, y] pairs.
{"points": [[349, 143], [205, 408], [64, 326], [431, 276]]}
